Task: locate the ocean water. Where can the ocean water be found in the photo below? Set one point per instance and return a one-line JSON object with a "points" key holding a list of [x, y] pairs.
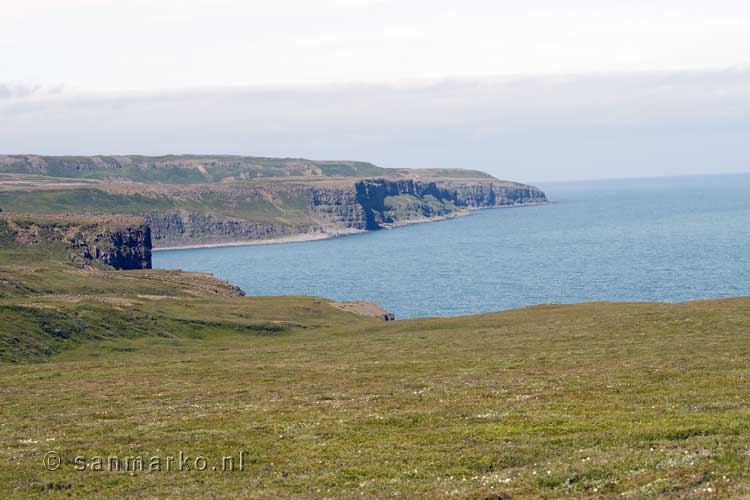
{"points": [[664, 239]]}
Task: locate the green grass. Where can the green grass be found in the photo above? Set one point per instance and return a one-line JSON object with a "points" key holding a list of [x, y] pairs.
{"points": [[82, 200], [558, 401], [179, 169], [285, 207], [94, 201], [404, 207], [640, 401], [353, 169]]}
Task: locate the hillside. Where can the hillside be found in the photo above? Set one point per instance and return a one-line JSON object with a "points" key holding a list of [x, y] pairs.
{"points": [[201, 169], [556, 401], [190, 200]]}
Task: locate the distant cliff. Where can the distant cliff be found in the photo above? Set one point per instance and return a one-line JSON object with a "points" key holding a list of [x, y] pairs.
{"points": [[193, 227], [118, 242], [336, 208], [387, 202], [196, 200]]}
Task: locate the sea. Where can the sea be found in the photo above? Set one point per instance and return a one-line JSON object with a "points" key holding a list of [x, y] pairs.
{"points": [[657, 239]]}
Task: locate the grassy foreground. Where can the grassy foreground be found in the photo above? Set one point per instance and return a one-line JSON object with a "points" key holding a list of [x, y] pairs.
{"points": [[582, 401]]}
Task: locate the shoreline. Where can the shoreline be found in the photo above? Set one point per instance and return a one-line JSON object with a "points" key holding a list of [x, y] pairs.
{"points": [[304, 237], [294, 238]]}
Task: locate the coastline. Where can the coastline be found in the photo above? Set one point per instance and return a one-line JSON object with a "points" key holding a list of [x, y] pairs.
{"points": [[294, 238], [304, 237]]}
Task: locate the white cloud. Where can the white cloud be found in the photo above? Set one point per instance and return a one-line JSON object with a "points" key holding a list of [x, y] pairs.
{"points": [[146, 45]]}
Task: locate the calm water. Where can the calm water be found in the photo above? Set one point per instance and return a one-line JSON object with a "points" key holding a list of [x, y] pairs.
{"points": [[667, 239]]}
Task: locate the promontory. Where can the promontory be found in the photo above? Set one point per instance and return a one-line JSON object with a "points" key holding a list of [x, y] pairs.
{"points": [[209, 199]]}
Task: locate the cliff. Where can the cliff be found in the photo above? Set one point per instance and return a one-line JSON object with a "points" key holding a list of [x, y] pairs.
{"points": [[117, 242], [185, 227], [326, 208], [126, 247], [194, 200], [387, 202]]}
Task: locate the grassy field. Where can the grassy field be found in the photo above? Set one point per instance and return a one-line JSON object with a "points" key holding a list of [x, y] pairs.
{"points": [[95, 201], [81, 201], [578, 401], [199, 169], [190, 169]]}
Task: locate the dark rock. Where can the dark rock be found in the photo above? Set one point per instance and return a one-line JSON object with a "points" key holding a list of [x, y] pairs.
{"points": [[186, 227], [498, 496], [120, 248], [119, 242]]}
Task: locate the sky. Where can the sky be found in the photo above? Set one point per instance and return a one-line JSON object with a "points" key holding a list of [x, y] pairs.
{"points": [[534, 90]]}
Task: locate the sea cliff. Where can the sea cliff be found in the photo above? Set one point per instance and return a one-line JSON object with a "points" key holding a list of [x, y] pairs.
{"points": [[117, 242], [329, 209], [216, 200]]}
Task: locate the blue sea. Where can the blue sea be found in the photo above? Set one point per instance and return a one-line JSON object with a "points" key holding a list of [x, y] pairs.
{"points": [[660, 239]]}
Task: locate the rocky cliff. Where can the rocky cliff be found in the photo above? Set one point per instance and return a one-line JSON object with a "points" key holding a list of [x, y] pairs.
{"points": [[194, 200], [386, 202], [330, 208], [118, 242], [126, 247], [185, 227]]}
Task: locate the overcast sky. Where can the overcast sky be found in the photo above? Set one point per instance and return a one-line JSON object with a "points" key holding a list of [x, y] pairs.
{"points": [[534, 90]]}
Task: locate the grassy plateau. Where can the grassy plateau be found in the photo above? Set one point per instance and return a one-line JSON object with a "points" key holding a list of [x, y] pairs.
{"points": [[597, 400]]}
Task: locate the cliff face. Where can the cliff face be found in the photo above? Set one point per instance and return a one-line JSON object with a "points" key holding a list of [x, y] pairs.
{"points": [[193, 200], [325, 208], [337, 206], [187, 227], [396, 201], [119, 242], [121, 248]]}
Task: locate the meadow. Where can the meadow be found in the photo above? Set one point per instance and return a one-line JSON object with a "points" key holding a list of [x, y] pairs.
{"points": [[558, 401]]}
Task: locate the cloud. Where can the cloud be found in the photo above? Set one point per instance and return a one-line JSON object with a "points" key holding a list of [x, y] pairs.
{"points": [[17, 91], [142, 44], [526, 128]]}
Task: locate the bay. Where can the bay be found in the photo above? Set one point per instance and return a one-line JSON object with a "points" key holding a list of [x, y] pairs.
{"points": [[660, 239]]}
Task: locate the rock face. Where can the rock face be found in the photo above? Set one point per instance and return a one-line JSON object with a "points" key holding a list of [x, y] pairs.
{"points": [[121, 248], [195, 200], [118, 242], [337, 206], [185, 227], [392, 201], [334, 208]]}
